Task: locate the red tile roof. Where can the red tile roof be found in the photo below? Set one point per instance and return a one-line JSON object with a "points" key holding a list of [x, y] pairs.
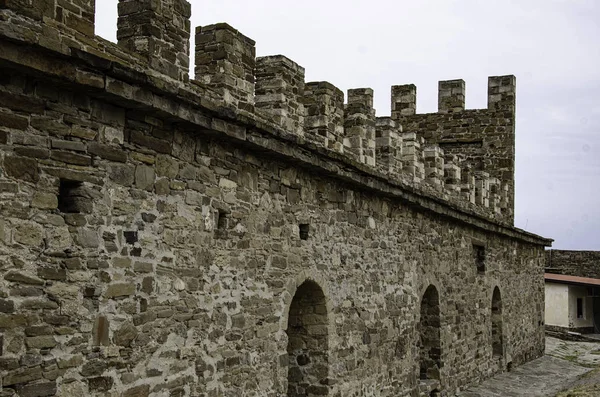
{"points": [[559, 278]]}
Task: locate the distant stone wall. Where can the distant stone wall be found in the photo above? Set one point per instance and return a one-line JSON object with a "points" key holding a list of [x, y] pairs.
{"points": [[161, 237], [573, 263]]}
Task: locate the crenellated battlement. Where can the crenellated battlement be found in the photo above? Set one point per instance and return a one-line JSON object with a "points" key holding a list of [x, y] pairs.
{"points": [[359, 126], [324, 104], [225, 61], [451, 96], [460, 155], [279, 92], [159, 31], [481, 141]]}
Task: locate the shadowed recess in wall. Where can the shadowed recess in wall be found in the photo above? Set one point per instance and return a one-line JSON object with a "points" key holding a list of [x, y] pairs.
{"points": [[307, 342], [497, 323], [429, 342]]}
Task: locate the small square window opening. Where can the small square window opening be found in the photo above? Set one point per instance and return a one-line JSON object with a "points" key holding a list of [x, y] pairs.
{"points": [[304, 229], [69, 200]]}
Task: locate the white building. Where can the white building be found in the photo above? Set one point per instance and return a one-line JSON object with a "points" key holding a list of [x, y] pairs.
{"points": [[572, 303]]}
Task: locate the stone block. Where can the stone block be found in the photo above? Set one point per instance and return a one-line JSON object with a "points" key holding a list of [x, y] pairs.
{"points": [[107, 113], [7, 306], [40, 342], [100, 384], [30, 360], [39, 330], [33, 152], [144, 177], [137, 391], [49, 273], [21, 375], [71, 158], [119, 290], [45, 201], [21, 168], [112, 135], [93, 368], [21, 103], [10, 321], [13, 121], [125, 335], [37, 304], [166, 166], [70, 362], [22, 278], [68, 145], [8, 363], [158, 145], [107, 152], [88, 238], [143, 267], [89, 79], [29, 233], [122, 174], [78, 131], [38, 389]]}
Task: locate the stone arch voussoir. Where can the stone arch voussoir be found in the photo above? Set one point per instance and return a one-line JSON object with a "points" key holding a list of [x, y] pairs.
{"points": [[290, 290]]}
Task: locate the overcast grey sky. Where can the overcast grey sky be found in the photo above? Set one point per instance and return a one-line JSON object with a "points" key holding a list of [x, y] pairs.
{"points": [[552, 46]]}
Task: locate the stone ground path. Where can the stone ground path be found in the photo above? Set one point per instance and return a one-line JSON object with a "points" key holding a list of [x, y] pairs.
{"points": [[562, 368]]}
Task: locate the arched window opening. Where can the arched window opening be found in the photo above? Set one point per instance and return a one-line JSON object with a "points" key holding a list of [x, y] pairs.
{"points": [[429, 341], [497, 348], [308, 367]]}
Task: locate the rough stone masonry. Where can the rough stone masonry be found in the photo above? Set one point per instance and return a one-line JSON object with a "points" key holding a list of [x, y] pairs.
{"points": [[244, 232]]}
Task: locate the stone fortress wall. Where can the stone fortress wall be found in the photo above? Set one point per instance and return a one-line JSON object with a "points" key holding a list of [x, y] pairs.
{"points": [[573, 263], [245, 233]]}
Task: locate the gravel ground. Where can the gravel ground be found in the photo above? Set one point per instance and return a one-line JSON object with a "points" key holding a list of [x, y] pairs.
{"points": [[567, 370], [587, 386]]}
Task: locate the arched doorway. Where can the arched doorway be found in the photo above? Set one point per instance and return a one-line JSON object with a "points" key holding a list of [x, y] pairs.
{"points": [[429, 340], [308, 367], [497, 349]]}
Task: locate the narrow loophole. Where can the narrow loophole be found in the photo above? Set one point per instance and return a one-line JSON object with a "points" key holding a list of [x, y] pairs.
{"points": [[304, 229]]}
